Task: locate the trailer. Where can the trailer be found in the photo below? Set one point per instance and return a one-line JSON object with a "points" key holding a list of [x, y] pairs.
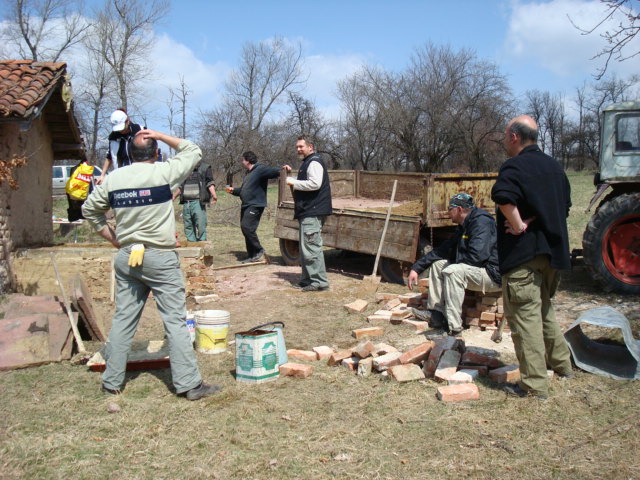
{"points": [[419, 220]]}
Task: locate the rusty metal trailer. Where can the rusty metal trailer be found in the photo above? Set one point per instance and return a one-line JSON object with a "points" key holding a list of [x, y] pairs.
{"points": [[353, 227]]}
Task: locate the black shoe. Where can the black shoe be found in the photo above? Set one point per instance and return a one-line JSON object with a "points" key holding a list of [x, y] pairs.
{"points": [[299, 285], [454, 332], [516, 391], [314, 288], [202, 390], [566, 376], [115, 391], [258, 256], [434, 317]]}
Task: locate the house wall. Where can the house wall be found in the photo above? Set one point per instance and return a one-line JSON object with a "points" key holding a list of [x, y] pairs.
{"points": [[25, 213]]}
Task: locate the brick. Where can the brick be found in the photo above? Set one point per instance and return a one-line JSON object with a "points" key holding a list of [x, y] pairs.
{"points": [[442, 344], [382, 348], [394, 302], [458, 393], [322, 352], [486, 300], [472, 321], [500, 301], [357, 306], [364, 349], [387, 360], [488, 316], [474, 358], [351, 363], [447, 366], [487, 308], [406, 373], [506, 374], [297, 370], [418, 325], [365, 367], [400, 313], [482, 370], [306, 355], [407, 298], [385, 297], [367, 332], [417, 354], [383, 313], [423, 282], [463, 376], [378, 319], [337, 357]]}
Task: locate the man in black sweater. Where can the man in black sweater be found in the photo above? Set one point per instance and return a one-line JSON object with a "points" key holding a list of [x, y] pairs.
{"points": [[466, 260], [533, 197], [253, 193]]}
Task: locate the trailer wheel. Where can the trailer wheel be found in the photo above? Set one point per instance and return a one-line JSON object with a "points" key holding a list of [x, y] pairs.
{"points": [[290, 251], [611, 244], [393, 271]]}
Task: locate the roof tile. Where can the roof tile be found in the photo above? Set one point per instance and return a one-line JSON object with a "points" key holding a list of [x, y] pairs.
{"points": [[24, 84]]}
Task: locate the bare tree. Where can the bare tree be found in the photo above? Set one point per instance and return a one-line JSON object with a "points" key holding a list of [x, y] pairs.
{"points": [[43, 29], [123, 36], [267, 70], [619, 36], [179, 95]]}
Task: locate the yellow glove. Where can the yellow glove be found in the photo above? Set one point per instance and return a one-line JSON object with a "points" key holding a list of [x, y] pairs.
{"points": [[136, 255]]}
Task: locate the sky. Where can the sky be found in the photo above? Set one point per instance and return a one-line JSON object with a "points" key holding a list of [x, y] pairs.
{"points": [[533, 42]]}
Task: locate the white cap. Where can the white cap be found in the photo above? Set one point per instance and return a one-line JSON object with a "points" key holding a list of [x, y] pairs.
{"points": [[118, 120]]}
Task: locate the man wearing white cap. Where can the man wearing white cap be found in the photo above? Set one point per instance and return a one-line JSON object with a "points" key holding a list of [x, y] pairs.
{"points": [[122, 131]]}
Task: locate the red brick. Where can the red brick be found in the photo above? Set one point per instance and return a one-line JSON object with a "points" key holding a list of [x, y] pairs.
{"points": [[487, 308], [382, 348], [473, 358], [306, 355], [351, 363], [337, 357], [442, 344], [481, 369], [387, 360], [322, 352], [394, 302], [368, 332], [364, 349], [418, 325], [295, 370], [458, 393], [400, 313], [407, 298], [385, 297], [447, 366], [423, 282], [376, 319], [506, 374], [463, 376], [406, 373], [488, 316], [365, 366], [357, 306], [417, 354], [486, 300]]}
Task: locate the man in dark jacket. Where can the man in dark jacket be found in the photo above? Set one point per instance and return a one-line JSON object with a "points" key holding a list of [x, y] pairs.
{"points": [[122, 132], [467, 260], [312, 204], [253, 193], [196, 192], [532, 186]]}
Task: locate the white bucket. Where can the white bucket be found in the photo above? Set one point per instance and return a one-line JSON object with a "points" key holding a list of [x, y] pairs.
{"points": [[190, 320], [212, 327]]}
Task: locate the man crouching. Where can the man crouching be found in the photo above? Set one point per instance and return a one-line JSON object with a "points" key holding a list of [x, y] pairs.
{"points": [[140, 196]]}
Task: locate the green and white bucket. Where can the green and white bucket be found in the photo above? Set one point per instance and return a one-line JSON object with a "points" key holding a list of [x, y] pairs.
{"points": [[257, 356], [212, 327]]}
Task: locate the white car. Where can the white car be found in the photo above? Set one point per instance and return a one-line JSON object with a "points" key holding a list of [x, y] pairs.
{"points": [[61, 174]]}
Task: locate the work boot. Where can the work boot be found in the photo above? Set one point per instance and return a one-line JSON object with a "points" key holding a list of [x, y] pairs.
{"points": [[434, 317], [514, 390], [110, 391], [314, 288], [202, 390]]}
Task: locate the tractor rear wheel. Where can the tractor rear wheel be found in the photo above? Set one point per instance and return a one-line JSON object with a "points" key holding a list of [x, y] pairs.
{"points": [[611, 244], [290, 251]]}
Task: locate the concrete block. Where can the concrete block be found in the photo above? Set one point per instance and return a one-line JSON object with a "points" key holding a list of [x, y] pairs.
{"points": [[297, 370], [368, 332], [306, 355], [506, 374], [447, 366], [406, 373], [418, 353], [458, 393], [357, 306]]}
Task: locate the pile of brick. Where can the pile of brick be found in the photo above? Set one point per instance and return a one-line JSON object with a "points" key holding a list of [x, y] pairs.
{"points": [[444, 359], [483, 311], [200, 278]]}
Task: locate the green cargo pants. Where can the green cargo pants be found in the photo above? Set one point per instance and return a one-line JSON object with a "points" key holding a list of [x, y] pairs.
{"points": [[527, 291], [311, 255]]}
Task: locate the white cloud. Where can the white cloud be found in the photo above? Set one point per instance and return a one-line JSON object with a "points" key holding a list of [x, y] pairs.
{"points": [[325, 71], [543, 33]]}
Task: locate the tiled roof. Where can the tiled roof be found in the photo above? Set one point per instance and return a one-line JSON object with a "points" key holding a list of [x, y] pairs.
{"points": [[25, 84]]}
